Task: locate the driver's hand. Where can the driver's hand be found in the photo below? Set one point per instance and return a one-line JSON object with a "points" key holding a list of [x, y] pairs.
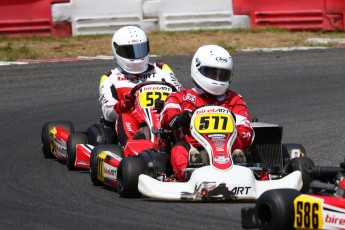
{"points": [[129, 100], [182, 119], [126, 105]]}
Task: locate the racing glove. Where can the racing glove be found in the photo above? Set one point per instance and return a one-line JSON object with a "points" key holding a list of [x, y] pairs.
{"points": [[126, 105], [181, 120]]}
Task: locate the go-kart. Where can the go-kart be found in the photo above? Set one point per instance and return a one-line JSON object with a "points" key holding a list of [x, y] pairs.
{"points": [[220, 179], [74, 148], [322, 207], [217, 178], [110, 165], [60, 141]]}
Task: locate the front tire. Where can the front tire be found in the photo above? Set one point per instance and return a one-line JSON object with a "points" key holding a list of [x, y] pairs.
{"points": [[45, 136], [73, 140], [275, 209], [127, 177]]}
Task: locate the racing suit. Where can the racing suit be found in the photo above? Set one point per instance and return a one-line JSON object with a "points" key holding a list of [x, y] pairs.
{"points": [[116, 84], [190, 99]]}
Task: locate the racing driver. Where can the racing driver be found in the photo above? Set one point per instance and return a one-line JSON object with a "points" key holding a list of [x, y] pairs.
{"points": [[211, 71], [131, 51]]}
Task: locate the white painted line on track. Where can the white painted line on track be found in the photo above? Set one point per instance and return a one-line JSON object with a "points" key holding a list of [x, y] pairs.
{"points": [[283, 49], [12, 63]]}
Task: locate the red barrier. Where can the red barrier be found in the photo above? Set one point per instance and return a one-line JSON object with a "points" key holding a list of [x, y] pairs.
{"points": [[30, 17], [296, 15]]}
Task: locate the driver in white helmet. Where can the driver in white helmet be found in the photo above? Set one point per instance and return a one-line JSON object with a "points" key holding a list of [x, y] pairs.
{"points": [[211, 71], [131, 51]]}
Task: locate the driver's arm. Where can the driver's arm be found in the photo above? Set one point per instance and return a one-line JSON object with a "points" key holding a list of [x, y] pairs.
{"points": [[170, 111], [106, 99]]}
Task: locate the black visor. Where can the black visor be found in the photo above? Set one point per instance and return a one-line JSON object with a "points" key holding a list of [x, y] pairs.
{"points": [[133, 51], [215, 73]]}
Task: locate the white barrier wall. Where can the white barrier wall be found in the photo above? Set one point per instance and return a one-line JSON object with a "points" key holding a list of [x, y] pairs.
{"points": [[106, 16]]}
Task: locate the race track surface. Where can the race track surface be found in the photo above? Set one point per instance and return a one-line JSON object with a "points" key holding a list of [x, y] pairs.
{"points": [[301, 90]]}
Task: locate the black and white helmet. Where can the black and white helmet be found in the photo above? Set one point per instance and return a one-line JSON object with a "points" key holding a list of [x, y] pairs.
{"points": [[131, 49], [212, 68]]}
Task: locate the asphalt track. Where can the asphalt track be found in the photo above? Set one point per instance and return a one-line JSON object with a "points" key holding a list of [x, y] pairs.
{"points": [[301, 90]]}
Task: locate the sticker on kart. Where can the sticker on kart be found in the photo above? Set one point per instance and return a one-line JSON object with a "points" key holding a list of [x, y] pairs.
{"points": [[312, 213], [149, 94]]}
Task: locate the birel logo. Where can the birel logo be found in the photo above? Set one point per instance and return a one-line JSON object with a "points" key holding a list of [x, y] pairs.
{"points": [[240, 190], [110, 172], [222, 59], [334, 220], [162, 88], [221, 159], [213, 110], [83, 163]]}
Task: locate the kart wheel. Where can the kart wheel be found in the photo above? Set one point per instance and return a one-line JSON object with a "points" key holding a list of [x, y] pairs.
{"points": [[45, 137], [73, 140], [127, 177], [275, 210], [116, 149], [301, 164]]}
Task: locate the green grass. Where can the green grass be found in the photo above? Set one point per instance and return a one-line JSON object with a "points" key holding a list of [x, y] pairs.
{"points": [[8, 53]]}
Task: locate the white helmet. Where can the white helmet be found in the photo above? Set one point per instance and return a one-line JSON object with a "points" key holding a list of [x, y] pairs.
{"points": [[131, 49], [212, 69]]}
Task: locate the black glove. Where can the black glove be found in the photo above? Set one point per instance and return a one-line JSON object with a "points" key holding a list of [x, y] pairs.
{"points": [[182, 119]]}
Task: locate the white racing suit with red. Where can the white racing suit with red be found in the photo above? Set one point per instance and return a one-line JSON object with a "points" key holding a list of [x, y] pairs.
{"points": [[116, 84], [189, 100]]}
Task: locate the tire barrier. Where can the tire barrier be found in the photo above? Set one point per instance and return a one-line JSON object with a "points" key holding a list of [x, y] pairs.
{"points": [[81, 17], [31, 17], [301, 15]]}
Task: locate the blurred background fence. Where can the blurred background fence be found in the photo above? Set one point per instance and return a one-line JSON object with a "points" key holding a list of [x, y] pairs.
{"points": [[86, 17]]}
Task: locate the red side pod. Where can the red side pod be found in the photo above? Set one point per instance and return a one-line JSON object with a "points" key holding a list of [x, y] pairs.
{"points": [[331, 200], [134, 147], [60, 142], [109, 167], [83, 153]]}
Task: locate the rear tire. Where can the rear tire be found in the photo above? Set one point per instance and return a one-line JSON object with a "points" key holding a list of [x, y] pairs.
{"points": [[45, 136], [301, 164], [93, 160], [73, 140], [127, 177], [275, 209]]}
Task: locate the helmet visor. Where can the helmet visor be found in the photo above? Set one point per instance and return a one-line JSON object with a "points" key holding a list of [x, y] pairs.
{"points": [[133, 51], [217, 74]]}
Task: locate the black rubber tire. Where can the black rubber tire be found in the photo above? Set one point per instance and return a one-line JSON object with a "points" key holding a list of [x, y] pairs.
{"points": [[93, 160], [45, 136], [301, 164], [73, 140], [275, 210], [127, 177]]}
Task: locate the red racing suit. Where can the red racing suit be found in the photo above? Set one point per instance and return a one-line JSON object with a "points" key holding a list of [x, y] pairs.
{"points": [[116, 83], [190, 99]]}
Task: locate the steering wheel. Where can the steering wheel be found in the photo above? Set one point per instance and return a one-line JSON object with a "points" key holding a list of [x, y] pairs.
{"points": [[140, 85]]}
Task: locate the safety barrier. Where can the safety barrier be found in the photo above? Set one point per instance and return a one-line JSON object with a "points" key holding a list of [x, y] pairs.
{"points": [[79, 17], [196, 14], [299, 15], [101, 17], [30, 17]]}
